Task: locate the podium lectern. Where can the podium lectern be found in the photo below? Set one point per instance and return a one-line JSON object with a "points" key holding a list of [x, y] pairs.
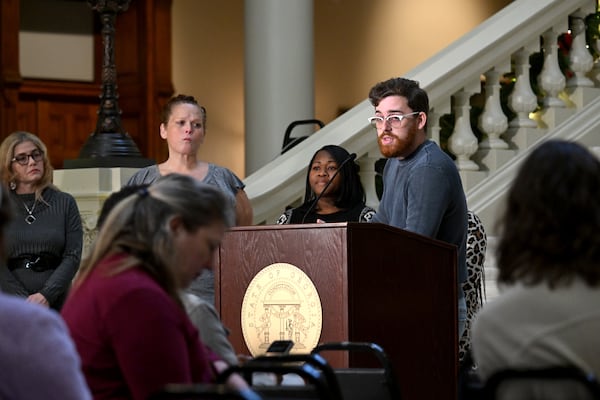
{"points": [[376, 284]]}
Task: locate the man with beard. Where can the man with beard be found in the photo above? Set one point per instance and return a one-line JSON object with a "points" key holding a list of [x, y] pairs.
{"points": [[422, 190]]}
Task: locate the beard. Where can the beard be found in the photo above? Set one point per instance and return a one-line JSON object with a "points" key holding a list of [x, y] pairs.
{"points": [[398, 147]]}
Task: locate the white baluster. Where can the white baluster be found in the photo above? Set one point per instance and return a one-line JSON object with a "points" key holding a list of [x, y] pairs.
{"points": [[595, 44], [580, 58], [522, 100], [462, 143], [551, 79], [492, 121], [367, 177], [433, 125], [595, 72]]}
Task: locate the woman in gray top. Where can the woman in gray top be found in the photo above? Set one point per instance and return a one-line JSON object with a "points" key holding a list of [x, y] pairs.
{"points": [[183, 123], [45, 237], [37, 357]]}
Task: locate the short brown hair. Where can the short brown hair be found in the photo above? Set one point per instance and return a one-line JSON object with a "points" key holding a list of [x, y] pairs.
{"points": [[180, 99]]}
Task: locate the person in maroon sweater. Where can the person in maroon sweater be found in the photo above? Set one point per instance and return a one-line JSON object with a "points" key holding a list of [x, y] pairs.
{"points": [[124, 313]]}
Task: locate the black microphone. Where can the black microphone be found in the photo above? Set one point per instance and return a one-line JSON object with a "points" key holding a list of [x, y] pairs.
{"points": [[351, 157]]}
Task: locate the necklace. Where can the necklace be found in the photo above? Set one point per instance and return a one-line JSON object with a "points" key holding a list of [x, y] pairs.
{"points": [[30, 219]]}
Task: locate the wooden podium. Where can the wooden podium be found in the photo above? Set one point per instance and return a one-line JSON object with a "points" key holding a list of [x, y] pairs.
{"points": [[376, 284]]}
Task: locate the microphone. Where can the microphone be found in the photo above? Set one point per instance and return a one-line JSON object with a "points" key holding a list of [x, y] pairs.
{"points": [[351, 157]]}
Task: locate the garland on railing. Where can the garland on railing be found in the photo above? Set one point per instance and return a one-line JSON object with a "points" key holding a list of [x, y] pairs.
{"points": [[592, 24], [507, 83]]}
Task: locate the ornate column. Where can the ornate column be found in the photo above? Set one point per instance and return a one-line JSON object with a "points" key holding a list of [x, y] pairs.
{"points": [[433, 125], [558, 106], [580, 87], [551, 79], [109, 145], [522, 100], [492, 121], [522, 130], [581, 60], [592, 22], [493, 150], [367, 176], [463, 143]]}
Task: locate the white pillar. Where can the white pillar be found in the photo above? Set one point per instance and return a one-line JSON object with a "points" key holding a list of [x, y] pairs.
{"points": [[463, 142], [279, 74], [551, 79], [492, 121], [522, 100]]}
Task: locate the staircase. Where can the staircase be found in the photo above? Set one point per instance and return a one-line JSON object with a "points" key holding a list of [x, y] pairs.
{"points": [[568, 108]]}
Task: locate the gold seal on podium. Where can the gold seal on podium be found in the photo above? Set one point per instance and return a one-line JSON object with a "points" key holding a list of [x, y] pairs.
{"points": [[281, 303]]}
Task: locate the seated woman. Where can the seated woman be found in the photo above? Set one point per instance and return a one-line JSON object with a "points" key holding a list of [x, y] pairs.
{"points": [[124, 311], [37, 356], [203, 314], [548, 260], [343, 199]]}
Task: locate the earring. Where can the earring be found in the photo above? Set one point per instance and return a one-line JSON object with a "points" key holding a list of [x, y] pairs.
{"points": [[12, 185]]}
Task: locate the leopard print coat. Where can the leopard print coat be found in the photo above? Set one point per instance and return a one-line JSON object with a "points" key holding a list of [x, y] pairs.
{"points": [[474, 287]]}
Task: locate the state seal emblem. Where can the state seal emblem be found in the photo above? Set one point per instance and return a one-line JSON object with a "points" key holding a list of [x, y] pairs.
{"points": [[281, 303]]}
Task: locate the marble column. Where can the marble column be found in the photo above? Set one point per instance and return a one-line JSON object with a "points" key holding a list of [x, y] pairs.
{"points": [[279, 74]]}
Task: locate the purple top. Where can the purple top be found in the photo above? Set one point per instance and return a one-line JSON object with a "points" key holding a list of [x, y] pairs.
{"points": [[37, 357]]}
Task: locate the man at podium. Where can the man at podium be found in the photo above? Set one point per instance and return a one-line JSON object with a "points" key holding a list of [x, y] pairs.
{"points": [[422, 190]]}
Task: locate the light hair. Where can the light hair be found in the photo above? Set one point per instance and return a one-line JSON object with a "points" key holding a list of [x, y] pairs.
{"points": [[7, 152]]}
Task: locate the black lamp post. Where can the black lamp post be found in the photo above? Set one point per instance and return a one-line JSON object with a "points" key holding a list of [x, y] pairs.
{"points": [[109, 145]]}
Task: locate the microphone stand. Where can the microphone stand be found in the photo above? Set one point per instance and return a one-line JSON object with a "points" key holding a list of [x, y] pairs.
{"points": [[351, 157]]}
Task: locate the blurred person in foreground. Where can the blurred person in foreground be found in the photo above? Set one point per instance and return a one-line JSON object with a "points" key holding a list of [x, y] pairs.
{"points": [[203, 314], [37, 357], [548, 257], [124, 311]]}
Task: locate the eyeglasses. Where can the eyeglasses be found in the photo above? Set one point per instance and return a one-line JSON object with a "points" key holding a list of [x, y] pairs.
{"points": [[395, 120], [23, 159]]}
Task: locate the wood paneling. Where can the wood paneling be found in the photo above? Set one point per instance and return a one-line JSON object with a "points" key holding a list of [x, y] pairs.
{"points": [[64, 113], [376, 284]]}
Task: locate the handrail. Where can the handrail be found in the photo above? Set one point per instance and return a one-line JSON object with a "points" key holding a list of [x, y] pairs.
{"points": [[457, 67]]}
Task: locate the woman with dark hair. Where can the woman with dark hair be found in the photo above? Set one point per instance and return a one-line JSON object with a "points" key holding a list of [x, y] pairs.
{"points": [[343, 199], [45, 237], [548, 257]]}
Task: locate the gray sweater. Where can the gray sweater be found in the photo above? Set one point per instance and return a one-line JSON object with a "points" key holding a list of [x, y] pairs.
{"points": [[423, 194], [55, 233]]}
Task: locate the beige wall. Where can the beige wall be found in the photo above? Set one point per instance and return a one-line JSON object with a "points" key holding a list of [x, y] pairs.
{"points": [[357, 43]]}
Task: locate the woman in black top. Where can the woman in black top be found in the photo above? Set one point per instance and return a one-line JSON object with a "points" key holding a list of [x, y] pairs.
{"points": [[44, 239], [343, 199]]}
